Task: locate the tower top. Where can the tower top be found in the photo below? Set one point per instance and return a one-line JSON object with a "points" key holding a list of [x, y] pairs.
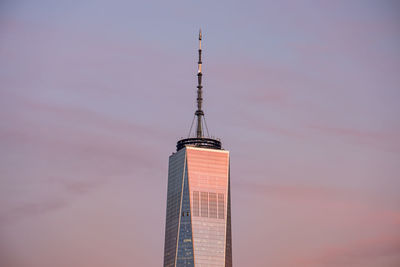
{"points": [[199, 140], [199, 112]]}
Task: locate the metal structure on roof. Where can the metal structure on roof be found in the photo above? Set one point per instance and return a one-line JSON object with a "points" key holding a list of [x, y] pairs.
{"points": [[199, 140]]}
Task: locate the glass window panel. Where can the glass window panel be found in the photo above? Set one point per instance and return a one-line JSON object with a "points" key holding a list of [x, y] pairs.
{"points": [[196, 203], [212, 205], [204, 204], [221, 206]]}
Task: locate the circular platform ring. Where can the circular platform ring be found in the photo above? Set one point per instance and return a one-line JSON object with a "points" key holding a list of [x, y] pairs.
{"points": [[199, 142]]}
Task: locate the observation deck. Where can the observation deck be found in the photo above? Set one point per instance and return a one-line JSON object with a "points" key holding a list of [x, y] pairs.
{"points": [[199, 142]]}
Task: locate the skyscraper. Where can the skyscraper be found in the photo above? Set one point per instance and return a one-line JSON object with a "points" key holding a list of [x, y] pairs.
{"points": [[198, 221]]}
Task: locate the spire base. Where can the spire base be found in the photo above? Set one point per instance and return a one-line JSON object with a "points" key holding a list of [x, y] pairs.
{"points": [[209, 143]]}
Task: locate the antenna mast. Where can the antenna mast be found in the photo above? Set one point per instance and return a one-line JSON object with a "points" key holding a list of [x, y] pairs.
{"points": [[199, 140], [199, 112]]}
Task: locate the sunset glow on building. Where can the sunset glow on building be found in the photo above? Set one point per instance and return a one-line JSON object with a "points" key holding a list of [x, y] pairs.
{"points": [[94, 96], [198, 223]]}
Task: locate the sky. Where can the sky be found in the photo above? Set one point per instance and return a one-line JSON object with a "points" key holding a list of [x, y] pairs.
{"points": [[304, 94]]}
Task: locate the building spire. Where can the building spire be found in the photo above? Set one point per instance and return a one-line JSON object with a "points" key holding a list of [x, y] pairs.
{"points": [[199, 112], [199, 140]]}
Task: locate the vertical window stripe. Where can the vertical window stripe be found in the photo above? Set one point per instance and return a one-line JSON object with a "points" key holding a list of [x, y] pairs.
{"points": [[221, 206], [204, 204], [212, 197], [196, 203]]}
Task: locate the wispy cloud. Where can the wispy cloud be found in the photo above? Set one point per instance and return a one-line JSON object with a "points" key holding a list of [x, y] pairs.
{"points": [[72, 149], [30, 210], [383, 250], [94, 95], [389, 140]]}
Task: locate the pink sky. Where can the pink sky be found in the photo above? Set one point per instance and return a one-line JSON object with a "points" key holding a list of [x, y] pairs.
{"points": [[94, 96]]}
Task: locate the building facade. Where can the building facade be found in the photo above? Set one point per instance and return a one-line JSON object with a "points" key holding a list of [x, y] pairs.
{"points": [[198, 217]]}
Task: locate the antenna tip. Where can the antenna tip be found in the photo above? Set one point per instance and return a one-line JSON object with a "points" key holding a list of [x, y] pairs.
{"points": [[200, 34]]}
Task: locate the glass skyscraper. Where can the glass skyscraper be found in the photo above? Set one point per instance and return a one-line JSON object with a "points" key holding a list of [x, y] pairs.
{"points": [[198, 221]]}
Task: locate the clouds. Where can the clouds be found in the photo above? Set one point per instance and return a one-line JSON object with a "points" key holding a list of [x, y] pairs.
{"points": [[336, 226], [389, 140], [93, 97], [29, 210], [382, 250], [59, 152]]}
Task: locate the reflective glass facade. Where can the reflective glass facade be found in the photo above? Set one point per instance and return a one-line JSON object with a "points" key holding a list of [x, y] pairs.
{"points": [[198, 230]]}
